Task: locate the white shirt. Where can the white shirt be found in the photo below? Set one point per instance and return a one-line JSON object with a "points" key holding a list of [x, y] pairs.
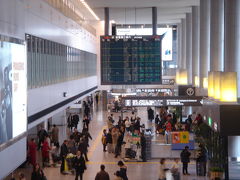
{"points": [[127, 124]]}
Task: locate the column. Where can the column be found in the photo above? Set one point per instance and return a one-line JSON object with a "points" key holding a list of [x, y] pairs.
{"points": [[106, 22], [189, 46], [195, 43], [179, 47], [154, 20], [232, 38], [217, 35], [204, 40], [183, 44]]}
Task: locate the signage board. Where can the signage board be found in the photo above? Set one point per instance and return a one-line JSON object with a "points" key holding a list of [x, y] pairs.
{"points": [[186, 91], [154, 90], [140, 101], [131, 60], [168, 81]]}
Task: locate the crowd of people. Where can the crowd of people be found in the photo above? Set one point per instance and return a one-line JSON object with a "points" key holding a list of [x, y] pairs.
{"points": [[116, 139], [119, 138]]}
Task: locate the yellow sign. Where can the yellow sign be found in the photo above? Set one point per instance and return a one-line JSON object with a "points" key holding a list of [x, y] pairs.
{"points": [[184, 137]]}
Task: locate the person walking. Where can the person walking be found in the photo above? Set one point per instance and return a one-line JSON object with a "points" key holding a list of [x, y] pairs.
{"points": [[185, 159], [45, 152], [55, 133], [123, 171], [63, 154], [162, 170], [109, 142], [42, 133], [86, 122], [104, 140], [102, 174], [80, 165], [175, 170], [32, 152], [83, 147], [150, 114]]}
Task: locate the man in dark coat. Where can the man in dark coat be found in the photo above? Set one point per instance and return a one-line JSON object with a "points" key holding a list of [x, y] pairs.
{"points": [[80, 165], [102, 175], [119, 145], [185, 158], [150, 114], [42, 133], [143, 147], [75, 120], [63, 154], [83, 147]]}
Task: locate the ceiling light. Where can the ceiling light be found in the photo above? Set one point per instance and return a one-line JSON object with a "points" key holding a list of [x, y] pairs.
{"points": [[89, 9], [113, 22]]}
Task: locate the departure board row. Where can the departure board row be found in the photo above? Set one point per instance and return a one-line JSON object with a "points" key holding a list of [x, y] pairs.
{"points": [[131, 60]]}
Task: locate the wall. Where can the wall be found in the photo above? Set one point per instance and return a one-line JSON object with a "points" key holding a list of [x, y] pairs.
{"points": [[35, 17], [8, 164]]}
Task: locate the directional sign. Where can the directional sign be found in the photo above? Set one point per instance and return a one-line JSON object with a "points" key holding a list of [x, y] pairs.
{"points": [[162, 101]]}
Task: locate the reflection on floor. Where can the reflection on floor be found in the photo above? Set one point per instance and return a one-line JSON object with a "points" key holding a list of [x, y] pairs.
{"points": [[136, 170]]}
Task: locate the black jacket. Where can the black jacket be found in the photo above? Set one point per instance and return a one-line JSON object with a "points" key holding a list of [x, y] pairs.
{"points": [[102, 175], [109, 138], [185, 156], [123, 173], [37, 175], [64, 150], [79, 164]]}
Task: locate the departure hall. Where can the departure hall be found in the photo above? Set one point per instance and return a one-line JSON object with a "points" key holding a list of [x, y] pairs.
{"points": [[120, 89]]}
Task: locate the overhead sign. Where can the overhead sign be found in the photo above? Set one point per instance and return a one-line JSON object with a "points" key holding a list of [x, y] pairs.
{"points": [[186, 91], [168, 81], [154, 90], [162, 101]]}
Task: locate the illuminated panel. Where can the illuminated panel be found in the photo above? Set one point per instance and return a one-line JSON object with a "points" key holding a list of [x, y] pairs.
{"points": [[131, 60]]}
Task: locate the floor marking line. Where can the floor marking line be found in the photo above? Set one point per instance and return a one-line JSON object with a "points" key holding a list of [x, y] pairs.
{"points": [[98, 162], [94, 145]]}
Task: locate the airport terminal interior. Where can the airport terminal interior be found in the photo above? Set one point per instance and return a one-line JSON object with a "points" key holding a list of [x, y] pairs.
{"points": [[120, 90]]}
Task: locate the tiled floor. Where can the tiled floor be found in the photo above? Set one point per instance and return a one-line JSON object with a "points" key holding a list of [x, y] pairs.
{"points": [[136, 171]]}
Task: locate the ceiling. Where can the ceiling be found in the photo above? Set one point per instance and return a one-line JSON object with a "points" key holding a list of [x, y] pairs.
{"points": [[140, 12]]}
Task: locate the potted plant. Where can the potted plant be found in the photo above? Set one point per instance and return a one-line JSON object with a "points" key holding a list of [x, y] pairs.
{"points": [[216, 172], [212, 141]]}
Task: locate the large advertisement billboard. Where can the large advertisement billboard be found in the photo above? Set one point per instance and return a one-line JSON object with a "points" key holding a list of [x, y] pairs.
{"points": [[13, 89]]}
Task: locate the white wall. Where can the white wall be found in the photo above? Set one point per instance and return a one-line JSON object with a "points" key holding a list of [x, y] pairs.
{"points": [[35, 17], [12, 157], [44, 97]]}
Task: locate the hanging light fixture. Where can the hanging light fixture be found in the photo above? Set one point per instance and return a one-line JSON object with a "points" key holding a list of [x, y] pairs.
{"points": [[228, 90], [196, 81], [217, 84], [210, 84]]}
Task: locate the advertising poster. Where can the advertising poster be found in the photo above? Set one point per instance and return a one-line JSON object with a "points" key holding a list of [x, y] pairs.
{"points": [[175, 137], [13, 90]]}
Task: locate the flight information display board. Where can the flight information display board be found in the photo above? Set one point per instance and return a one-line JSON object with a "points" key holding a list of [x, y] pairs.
{"points": [[131, 60]]}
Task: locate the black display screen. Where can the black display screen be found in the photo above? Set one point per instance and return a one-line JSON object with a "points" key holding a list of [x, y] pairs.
{"points": [[131, 60]]}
